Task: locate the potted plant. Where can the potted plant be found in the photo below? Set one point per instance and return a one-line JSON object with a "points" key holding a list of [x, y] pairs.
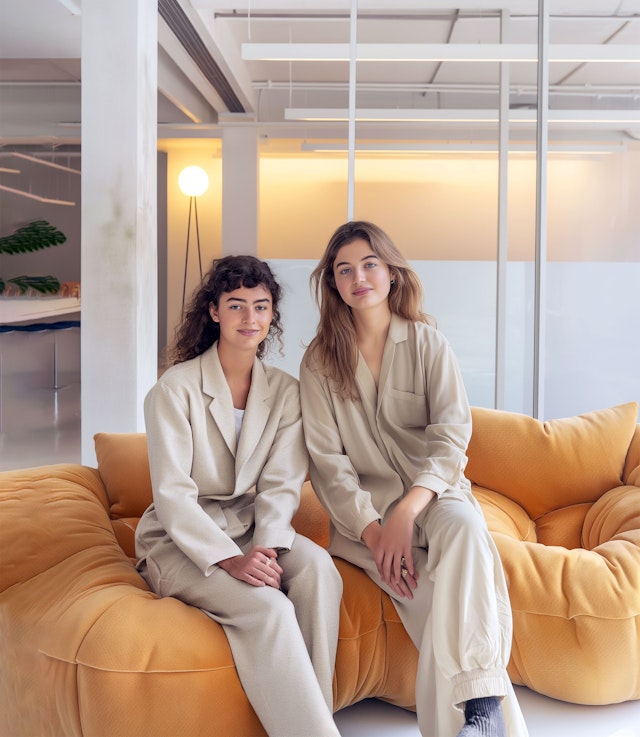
{"points": [[35, 236]]}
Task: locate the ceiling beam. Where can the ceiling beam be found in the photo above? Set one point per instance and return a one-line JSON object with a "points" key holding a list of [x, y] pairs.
{"points": [[181, 92]]}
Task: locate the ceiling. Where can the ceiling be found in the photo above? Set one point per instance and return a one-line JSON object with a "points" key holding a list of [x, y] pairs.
{"points": [[214, 69]]}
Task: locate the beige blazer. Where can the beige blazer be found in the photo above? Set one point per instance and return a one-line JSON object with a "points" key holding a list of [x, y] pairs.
{"points": [[206, 491], [413, 429]]}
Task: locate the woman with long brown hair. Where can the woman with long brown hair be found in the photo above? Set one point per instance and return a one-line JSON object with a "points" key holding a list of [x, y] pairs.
{"points": [[387, 424], [228, 460]]}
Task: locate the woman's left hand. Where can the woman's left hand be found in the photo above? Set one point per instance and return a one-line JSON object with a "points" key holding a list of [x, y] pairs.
{"points": [[394, 551], [394, 556]]}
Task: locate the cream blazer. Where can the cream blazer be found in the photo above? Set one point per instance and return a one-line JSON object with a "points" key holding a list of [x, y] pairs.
{"points": [[206, 492], [412, 430]]}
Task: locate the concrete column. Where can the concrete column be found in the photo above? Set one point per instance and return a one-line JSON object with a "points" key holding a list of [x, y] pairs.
{"points": [[239, 191], [119, 221]]}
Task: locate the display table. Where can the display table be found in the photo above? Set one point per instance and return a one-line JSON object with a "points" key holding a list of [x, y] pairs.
{"points": [[33, 315]]}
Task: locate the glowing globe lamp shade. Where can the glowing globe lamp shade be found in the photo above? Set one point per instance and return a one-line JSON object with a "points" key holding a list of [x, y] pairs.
{"points": [[193, 181]]}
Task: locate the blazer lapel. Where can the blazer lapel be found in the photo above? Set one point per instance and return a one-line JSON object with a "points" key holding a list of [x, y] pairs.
{"points": [[255, 416], [397, 334], [214, 384]]}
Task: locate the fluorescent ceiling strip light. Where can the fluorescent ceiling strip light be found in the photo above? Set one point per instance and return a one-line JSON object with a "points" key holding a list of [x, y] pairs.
{"points": [[460, 148], [36, 160], [392, 114], [401, 147], [190, 126], [557, 117], [32, 196], [575, 53]]}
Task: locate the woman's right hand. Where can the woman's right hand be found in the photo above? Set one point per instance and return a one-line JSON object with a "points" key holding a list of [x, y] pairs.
{"points": [[258, 567]]}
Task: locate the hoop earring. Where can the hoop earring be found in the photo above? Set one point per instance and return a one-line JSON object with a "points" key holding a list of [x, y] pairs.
{"points": [[393, 281]]}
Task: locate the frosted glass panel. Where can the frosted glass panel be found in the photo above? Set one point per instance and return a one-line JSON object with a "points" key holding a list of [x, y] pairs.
{"points": [[593, 329], [460, 295], [593, 336]]}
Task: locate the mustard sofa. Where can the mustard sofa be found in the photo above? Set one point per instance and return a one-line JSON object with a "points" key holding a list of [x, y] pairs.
{"points": [[87, 649]]}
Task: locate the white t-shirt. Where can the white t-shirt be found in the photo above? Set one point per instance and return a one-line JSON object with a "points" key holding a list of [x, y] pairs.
{"points": [[239, 415]]}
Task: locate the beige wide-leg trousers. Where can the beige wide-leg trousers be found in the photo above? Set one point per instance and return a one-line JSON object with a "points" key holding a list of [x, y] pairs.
{"points": [[283, 642], [459, 618]]}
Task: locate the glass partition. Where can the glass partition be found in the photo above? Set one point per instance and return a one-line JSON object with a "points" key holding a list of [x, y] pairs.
{"points": [[593, 291], [429, 169]]}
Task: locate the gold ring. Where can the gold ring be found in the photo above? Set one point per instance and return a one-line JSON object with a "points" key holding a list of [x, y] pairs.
{"points": [[404, 571], [268, 562]]}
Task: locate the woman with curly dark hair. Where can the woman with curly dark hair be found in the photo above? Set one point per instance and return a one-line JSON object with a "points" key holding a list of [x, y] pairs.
{"points": [[228, 460]]}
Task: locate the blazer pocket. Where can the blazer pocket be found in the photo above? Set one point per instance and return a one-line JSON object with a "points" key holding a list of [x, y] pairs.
{"points": [[214, 511], [407, 409], [240, 513], [233, 517]]}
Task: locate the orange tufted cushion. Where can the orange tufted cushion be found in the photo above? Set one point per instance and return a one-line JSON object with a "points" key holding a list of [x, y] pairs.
{"points": [[311, 519], [124, 467], [632, 464], [548, 465], [567, 528]]}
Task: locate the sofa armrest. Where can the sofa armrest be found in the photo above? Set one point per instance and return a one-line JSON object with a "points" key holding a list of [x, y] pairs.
{"points": [[35, 505], [87, 648]]}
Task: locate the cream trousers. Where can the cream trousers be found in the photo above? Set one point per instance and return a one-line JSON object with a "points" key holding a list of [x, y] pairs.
{"points": [[283, 642], [459, 618]]}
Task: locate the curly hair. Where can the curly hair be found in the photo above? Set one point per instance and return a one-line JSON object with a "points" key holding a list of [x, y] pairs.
{"points": [[198, 331], [334, 348]]}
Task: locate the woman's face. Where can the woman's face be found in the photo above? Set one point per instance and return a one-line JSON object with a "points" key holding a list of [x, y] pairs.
{"points": [[362, 279], [245, 317]]}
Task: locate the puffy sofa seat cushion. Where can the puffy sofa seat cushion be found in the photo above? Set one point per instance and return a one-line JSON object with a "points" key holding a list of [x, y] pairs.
{"points": [[375, 656], [562, 501]]}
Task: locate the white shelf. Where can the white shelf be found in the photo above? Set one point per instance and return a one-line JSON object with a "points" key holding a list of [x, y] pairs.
{"points": [[30, 309]]}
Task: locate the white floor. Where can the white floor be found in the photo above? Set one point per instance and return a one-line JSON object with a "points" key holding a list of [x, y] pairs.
{"points": [[40, 425], [544, 717]]}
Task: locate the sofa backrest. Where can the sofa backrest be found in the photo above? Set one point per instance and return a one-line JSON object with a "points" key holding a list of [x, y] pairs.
{"points": [[123, 465], [544, 466]]}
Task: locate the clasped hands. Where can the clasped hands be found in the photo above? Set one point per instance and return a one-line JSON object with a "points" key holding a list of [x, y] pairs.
{"points": [[258, 567]]}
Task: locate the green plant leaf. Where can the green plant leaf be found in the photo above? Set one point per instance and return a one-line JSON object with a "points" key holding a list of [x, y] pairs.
{"points": [[35, 236], [43, 284]]}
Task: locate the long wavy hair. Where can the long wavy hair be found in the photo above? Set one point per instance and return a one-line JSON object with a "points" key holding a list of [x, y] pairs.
{"points": [[334, 347], [198, 331]]}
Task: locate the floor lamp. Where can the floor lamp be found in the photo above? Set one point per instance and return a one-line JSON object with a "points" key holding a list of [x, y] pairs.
{"points": [[193, 181]]}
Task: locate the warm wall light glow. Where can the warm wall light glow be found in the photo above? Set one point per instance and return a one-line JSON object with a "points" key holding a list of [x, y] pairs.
{"points": [[193, 181]]}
